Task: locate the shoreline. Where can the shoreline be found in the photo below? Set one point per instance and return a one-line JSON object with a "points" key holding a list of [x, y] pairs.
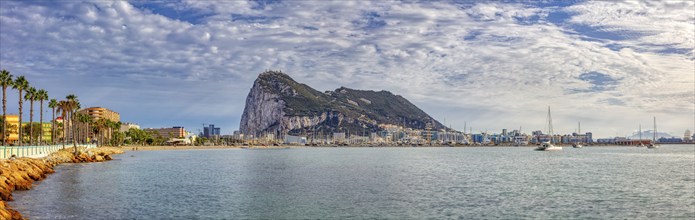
{"points": [[21, 173], [188, 147]]}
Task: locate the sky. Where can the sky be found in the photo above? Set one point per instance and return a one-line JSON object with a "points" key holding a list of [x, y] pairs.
{"points": [[489, 65]]}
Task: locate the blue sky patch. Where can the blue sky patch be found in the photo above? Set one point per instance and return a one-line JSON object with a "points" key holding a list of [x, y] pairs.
{"points": [[254, 18], [558, 17], [369, 21], [263, 4], [310, 28], [170, 9], [534, 19], [554, 3], [615, 47], [601, 33], [472, 35], [675, 50], [599, 81], [504, 39]]}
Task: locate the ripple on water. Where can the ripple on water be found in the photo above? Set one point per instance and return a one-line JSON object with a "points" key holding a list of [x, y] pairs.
{"points": [[394, 183]]}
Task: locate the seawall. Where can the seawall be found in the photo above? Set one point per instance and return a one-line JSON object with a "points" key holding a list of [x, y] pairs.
{"points": [[20, 173]]}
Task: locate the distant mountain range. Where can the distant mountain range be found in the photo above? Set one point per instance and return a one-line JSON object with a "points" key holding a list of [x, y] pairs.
{"points": [[279, 105], [648, 134]]}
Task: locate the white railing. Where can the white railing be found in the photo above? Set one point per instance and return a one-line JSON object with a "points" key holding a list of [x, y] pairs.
{"points": [[35, 151]]}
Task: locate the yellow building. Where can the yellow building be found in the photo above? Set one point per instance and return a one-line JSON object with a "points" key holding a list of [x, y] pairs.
{"points": [[46, 132], [98, 112], [12, 128]]}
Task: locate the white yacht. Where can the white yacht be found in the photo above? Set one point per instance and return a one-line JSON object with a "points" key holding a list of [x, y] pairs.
{"points": [[548, 145]]}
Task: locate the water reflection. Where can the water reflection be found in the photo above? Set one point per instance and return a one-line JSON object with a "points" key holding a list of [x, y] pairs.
{"points": [[371, 183]]}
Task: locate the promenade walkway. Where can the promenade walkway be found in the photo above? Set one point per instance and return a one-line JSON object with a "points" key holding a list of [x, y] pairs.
{"points": [[35, 151]]}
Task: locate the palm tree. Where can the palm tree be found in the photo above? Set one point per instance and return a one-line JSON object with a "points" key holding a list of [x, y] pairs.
{"points": [[31, 96], [82, 119], [85, 122], [41, 95], [73, 105], [100, 125], [63, 107], [89, 132], [79, 118], [20, 84], [75, 119], [53, 103], [115, 126], [5, 81]]}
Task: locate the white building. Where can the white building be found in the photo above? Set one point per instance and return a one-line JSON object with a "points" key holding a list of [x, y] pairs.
{"points": [[291, 139], [127, 126]]}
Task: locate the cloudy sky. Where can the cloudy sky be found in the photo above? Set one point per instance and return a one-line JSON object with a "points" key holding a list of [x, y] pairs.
{"points": [[609, 64]]}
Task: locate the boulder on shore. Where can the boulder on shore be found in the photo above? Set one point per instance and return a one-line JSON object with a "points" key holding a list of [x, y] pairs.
{"points": [[20, 173]]}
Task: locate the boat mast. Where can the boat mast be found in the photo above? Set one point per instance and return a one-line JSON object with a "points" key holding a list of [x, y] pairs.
{"points": [[654, 136], [579, 131], [550, 126]]}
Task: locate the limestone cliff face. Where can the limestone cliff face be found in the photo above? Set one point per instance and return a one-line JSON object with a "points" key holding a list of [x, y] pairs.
{"points": [[265, 107], [263, 110], [279, 105]]}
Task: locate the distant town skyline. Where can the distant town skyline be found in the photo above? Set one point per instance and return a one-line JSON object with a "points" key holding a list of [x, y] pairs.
{"points": [[489, 65]]}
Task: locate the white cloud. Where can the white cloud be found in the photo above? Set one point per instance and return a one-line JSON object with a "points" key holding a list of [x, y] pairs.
{"points": [[492, 64]]}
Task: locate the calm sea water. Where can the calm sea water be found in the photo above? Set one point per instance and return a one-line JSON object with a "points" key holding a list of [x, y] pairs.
{"points": [[358, 183]]}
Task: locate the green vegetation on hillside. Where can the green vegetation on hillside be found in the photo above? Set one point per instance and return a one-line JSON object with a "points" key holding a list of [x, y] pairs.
{"points": [[369, 107]]}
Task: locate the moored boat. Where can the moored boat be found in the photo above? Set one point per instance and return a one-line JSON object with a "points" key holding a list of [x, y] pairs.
{"points": [[548, 145], [653, 144]]}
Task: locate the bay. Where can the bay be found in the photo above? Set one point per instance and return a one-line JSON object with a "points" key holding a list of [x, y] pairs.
{"points": [[359, 183]]}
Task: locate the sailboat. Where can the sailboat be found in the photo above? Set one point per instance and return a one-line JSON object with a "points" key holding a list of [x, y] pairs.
{"points": [[578, 144], [548, 145], [640, 137], [653, 144]]}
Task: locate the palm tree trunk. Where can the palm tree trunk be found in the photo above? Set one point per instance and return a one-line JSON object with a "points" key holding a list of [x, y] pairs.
{"points": [[20, 119], [78, 130], [101, 136], [85, 133], [31, 122], [53, 124], [41, 124], [83, 136], [74, 132], [65, 128], [4, 116]]}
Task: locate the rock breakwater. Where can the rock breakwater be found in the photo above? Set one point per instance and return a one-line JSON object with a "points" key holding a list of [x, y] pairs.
{"points": [[20, 173]]}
